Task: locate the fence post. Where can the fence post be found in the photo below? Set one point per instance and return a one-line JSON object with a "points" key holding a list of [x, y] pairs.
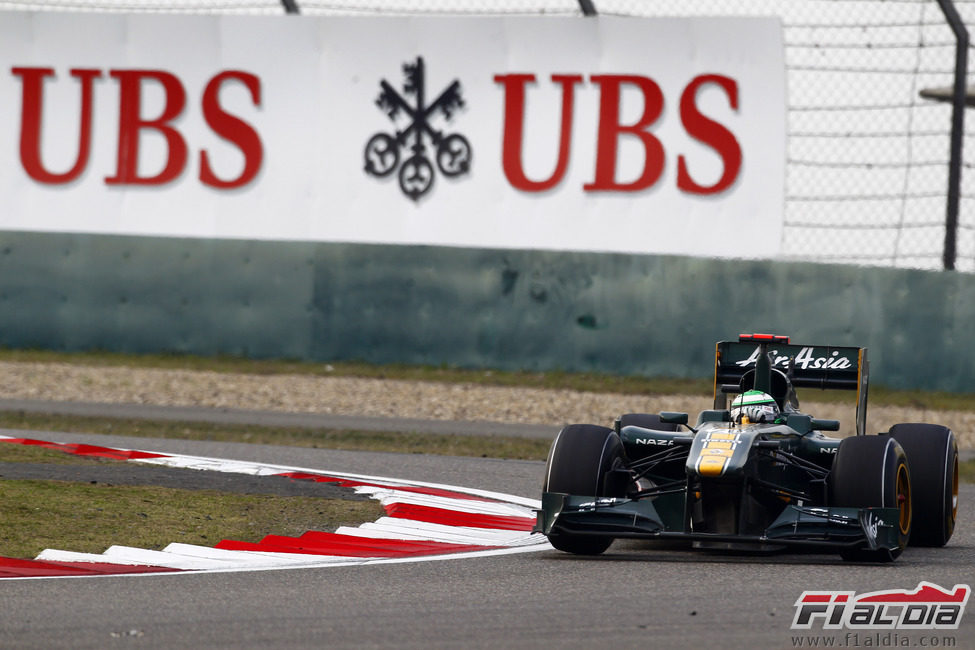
{"points": [[957, 130], [588, 7], [290, 6]]}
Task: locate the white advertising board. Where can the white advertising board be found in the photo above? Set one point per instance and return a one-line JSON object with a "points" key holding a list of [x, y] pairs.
{"points": [[596, 134]]}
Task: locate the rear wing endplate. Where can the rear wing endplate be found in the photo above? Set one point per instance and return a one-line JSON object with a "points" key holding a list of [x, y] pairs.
{"points": [[825, 367]]}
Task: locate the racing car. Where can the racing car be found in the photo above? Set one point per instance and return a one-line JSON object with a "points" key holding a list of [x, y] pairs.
{"points": [[758, 473]]}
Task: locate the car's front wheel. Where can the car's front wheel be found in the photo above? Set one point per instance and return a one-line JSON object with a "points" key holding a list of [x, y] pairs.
{"points": [[578, 462], [872, 472]]}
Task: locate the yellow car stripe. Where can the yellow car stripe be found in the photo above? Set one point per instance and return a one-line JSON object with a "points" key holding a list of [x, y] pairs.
{"points": [[711, 465]]}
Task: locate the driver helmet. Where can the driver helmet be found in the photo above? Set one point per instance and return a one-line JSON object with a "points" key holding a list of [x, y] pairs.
{"points": [[754, 405]]}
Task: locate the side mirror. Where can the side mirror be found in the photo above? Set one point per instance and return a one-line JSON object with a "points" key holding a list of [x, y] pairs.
{"points": [[672, 417], [824, 425]]}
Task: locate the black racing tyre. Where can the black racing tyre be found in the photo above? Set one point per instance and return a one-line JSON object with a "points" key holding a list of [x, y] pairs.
{"points": [[872, 471], [932, 454], [578, 461], [647, 421]]}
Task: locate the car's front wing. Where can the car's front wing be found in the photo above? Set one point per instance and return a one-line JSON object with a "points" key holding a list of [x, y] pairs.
{"points": [[875, 528]]}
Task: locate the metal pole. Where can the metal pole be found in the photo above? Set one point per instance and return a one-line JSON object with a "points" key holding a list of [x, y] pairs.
{"points": [[290, 6], [588, 7], [957, 130]]}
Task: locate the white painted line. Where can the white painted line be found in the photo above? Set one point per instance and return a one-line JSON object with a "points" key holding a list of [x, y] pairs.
{"points": [[416, 531], [255, 558], [55, 555], [394, 527], [159, 558], [388, 497]]}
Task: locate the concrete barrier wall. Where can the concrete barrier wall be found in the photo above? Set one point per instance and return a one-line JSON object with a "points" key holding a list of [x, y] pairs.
{"points": [[617, 313]]}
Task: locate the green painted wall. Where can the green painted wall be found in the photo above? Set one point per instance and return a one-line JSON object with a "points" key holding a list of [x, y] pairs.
{"points": [[632, 314]]}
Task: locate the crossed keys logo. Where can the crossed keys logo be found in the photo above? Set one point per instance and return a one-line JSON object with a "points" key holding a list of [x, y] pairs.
{"points": [[453, 152]]}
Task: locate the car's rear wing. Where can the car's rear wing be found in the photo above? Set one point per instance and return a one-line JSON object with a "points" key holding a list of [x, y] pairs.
{"points": [[810, 366]]}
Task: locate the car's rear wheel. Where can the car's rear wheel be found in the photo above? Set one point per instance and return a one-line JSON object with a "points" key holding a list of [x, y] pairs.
{"points": [[578, 462], [932, 454], [872, 472]]}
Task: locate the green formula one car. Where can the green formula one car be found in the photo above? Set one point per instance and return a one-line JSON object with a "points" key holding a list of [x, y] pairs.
{"points": [[759, 474]]}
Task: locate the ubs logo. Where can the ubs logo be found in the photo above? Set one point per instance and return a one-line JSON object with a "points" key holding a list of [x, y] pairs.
{"points": [[451, 151]]}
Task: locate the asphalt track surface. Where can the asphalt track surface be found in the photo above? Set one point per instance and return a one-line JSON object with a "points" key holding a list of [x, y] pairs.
{"points": [[636, 595]]}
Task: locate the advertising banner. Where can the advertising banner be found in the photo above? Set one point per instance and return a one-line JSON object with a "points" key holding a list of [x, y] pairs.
{"points": [[593, 134]]}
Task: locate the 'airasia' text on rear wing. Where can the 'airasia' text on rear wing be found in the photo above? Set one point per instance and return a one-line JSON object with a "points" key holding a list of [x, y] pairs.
{"points": [[809, 366]]}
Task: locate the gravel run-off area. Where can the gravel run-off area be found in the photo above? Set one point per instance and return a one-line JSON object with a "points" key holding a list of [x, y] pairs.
{"points": [[395, 398]]}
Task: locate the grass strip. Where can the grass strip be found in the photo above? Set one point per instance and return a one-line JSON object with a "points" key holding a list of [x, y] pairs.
{"points": [[74, 516], [35, 515]]}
